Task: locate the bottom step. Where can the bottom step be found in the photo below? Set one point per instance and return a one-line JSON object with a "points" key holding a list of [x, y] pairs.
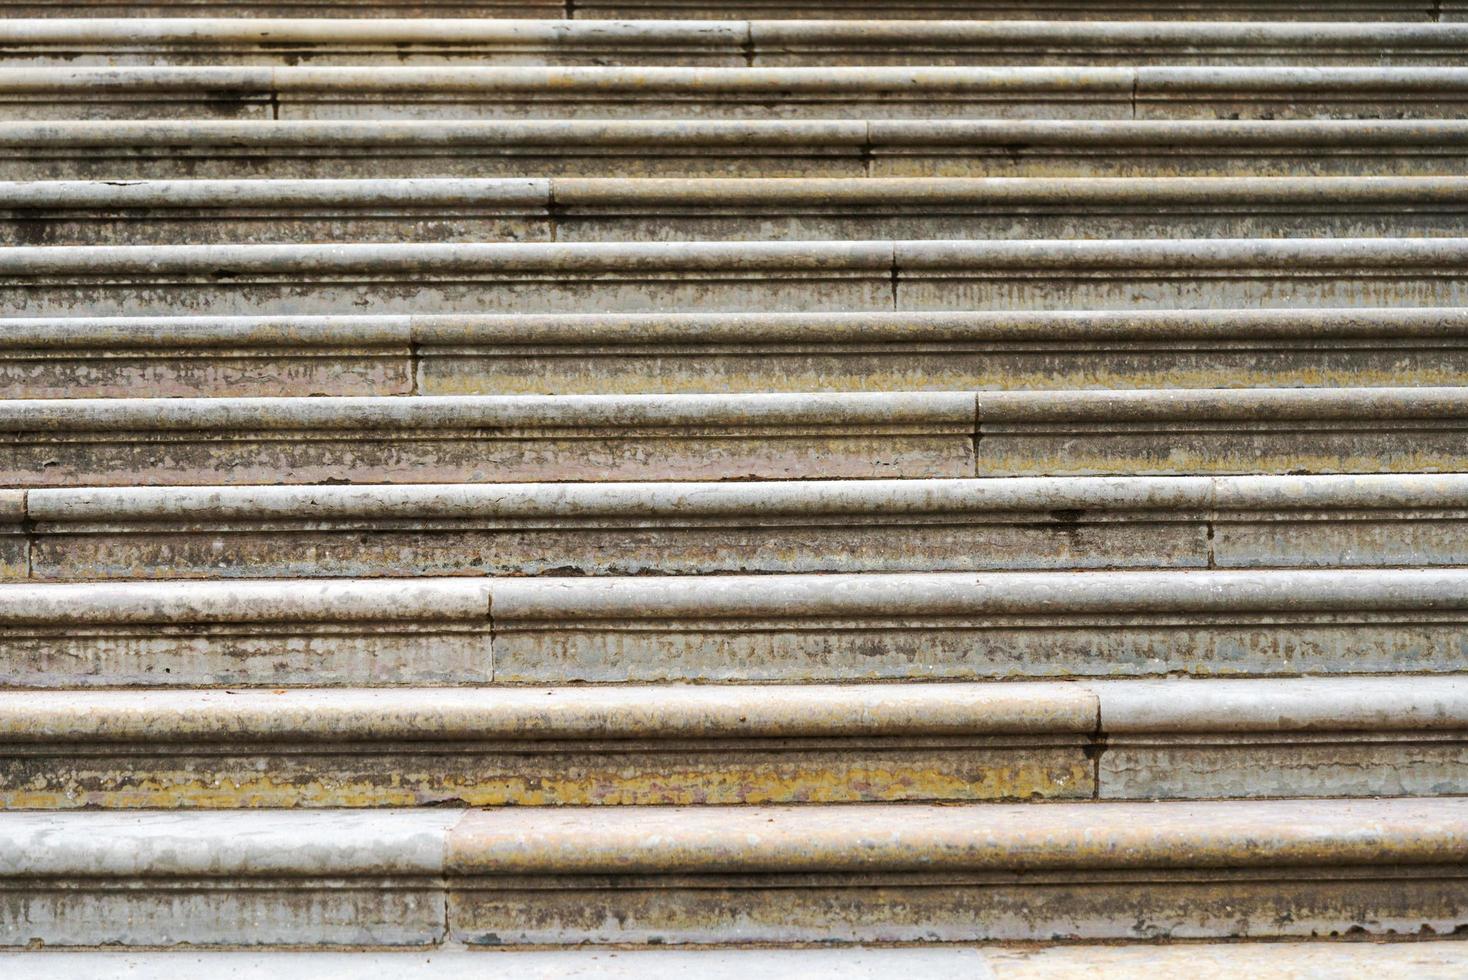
{"points": [[720, 875], [1188, 961]]}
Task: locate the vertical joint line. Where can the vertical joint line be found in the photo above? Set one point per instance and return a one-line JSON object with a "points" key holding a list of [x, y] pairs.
{"points": [[1211, 563], [893, 279], [415, 361], [748, 46], [1136, 84], [28, 529]]}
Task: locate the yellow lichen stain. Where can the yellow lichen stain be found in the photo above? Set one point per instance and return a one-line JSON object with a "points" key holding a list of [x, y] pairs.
{"points": [[813, 783]]}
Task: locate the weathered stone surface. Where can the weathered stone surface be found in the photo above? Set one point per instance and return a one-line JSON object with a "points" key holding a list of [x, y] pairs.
{"points": [[439, 278], [1323, 522], [679, 875], [472, 439], [1293, 430], [1263, 10], [1160, 148], [119, 357], [607, 746], [218, 633], [481, 354], [395, 92], [116, 150], [550, 631], [765, 43], [1172, 273], [1357, 736], [1084, 10], [1042, 274], [640, 209], [1115, 739], [660, 92], [1011, 523], [15, 552], [587, 353], [956, 873], [328, 878], [674, 528]]}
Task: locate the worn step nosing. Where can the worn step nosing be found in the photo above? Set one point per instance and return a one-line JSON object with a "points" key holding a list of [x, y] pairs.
{"points": [[208, 32], [1179, 257], [1123, 707], [598, 195], [693, 500], [508, 332], [877, 135], [711, 840], [787, 598]]}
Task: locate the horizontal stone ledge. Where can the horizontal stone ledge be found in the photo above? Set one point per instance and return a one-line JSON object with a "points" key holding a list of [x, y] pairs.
{"points": [[543, 333], [174, 441], [424, 876], [1008, 275], [1064, 10], [385, 92], [764, 148], [629, 745], [203, 40], [730, 840], [1092, 706], [1012, 838], [951, 594], [1061, 10], [1013, 523], [733, 628], [133, 603], [515, 714], [643, 209]]}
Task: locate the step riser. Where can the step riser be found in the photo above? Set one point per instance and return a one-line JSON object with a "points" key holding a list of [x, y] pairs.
{"points": [[67, 775], [877, 908], [879, 148], [394, 93], [960, 220], [871, 769], [942, 365], [1345, 11], [728, 43], [611, 354], [710, 909]]}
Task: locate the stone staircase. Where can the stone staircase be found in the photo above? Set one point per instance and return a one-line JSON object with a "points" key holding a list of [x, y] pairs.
{"points": [[954, 495]]}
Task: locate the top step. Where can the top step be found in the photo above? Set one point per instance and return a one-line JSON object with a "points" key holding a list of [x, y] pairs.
{"points": [[1419, 11], [112, 42]]}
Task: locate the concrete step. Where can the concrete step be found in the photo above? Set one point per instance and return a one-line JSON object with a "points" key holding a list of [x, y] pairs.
{"points": [[204, 148], [1042, 275], [658, 92], [179, 212], [732, 629], [519, 354], [1415, 11], [596, 438], [1154, 739], [678, 528], [728, 43], [1445, 960], [865, 872]]}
